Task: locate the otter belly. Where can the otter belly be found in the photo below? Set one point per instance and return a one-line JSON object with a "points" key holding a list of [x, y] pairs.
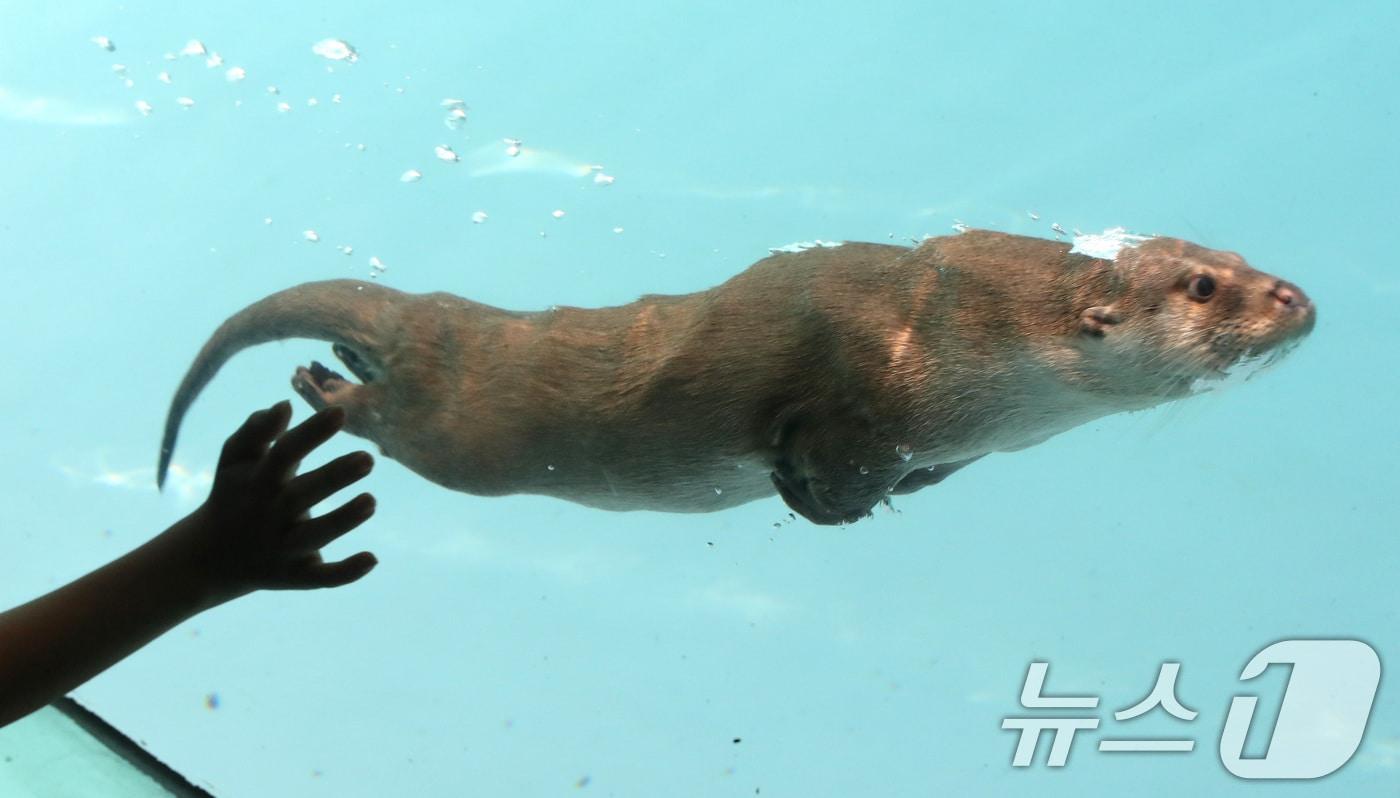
{"points": [[701, 493]]}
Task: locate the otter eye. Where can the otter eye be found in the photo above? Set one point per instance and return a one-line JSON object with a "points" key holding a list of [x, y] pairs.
{"points": [[1201, 287]]}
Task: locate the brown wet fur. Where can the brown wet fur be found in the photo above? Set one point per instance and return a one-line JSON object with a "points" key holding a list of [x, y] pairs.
{"points": [[833, 376]]}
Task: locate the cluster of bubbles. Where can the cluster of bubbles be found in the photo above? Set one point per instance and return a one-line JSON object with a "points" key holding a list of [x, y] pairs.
{"points": [[376, 266], [342, 51], [1056, 228], [193, 49]]}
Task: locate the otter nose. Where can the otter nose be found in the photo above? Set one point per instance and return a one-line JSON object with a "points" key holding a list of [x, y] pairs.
{"points": [[1290, 296]]}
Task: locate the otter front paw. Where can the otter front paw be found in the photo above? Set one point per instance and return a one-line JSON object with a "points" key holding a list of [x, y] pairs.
{"points": [[812, 499]]}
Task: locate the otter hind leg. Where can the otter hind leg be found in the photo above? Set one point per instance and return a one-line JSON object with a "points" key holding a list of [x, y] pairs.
{"points": [[324, 388], [321, 388], [358, 365]]}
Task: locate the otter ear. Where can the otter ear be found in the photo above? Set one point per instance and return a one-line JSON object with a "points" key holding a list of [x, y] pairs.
{"points": [[1096, 320]]}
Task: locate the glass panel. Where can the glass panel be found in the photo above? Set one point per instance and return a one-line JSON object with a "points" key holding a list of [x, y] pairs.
{"points": [[524, 645], [53, 753]]}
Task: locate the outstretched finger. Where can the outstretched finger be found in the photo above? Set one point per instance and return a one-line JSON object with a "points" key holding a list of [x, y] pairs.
{"points": [[318, 532], [312, 574], [250, 441], [299, 441], [313, 487]]}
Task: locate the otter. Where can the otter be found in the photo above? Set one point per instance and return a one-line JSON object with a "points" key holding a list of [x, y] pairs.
{"points": [[834, 375]]}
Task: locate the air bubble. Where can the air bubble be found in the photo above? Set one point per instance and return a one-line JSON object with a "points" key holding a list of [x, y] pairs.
{"points": [[603, 180], [235, 74], [719, 491], [617, 229], [336, 50], [478, 217], [273, 90], [445, 153], [311, 235], [346, 249], [119, 69], [557, 214], [214, 61], [411, 176], [284, 107], [863, 470], [104, 42], [164, 77], [194, 47], [144, 107], [185, 102], [905, 452], [376, 267]]}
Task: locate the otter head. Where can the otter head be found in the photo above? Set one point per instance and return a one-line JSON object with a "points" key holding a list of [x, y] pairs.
{"points": [[1180, 318]]}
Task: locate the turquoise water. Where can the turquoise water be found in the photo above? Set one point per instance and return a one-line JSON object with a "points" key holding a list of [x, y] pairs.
{"points": [[525, 646]]}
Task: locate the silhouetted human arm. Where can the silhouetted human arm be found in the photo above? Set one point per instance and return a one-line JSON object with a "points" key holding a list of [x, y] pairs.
{"points": [[253, 532]]}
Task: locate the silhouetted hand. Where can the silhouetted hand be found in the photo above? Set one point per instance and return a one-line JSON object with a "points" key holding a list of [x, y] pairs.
{"points": [[255, 531]]}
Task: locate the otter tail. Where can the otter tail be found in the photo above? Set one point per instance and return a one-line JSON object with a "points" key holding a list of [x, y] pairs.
{"points": [[348, 312]]}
